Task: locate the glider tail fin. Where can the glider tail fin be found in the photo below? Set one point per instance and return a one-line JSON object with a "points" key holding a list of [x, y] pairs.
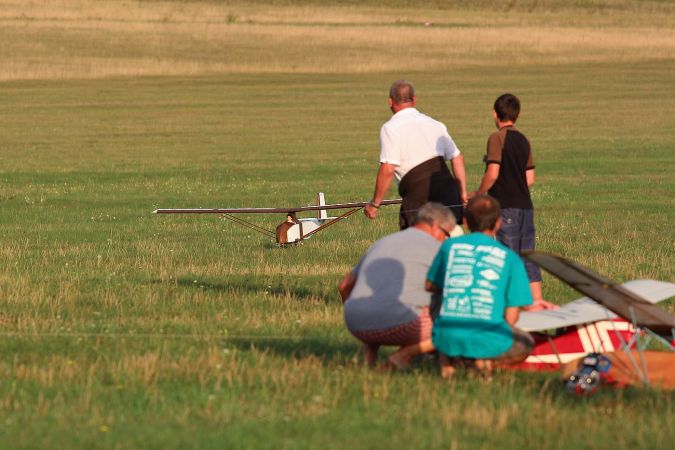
{"points": [[321, 201]]}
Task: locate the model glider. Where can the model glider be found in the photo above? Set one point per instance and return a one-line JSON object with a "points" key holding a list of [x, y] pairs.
{"points": [[583, 326], [609, 318], [293, 229]]}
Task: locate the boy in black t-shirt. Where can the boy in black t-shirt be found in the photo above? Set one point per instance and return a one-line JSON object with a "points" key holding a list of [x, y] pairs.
{"points": [[509, 172]]}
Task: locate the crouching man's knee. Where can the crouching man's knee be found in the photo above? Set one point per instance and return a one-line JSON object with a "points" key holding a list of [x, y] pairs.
{"points": [[520, 349]]}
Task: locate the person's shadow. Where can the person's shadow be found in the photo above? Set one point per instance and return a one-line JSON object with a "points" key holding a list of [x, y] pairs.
{"points": [[384, 277]]}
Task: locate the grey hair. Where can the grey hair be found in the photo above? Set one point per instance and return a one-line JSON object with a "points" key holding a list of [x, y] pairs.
{"points": [[402, 91], [431, 213]]}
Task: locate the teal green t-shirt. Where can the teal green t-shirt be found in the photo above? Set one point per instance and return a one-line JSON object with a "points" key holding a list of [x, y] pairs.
{"points": [[479, 278]]}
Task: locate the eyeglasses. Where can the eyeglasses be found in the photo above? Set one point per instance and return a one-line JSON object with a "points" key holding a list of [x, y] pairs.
{"points": [[445, 232]]}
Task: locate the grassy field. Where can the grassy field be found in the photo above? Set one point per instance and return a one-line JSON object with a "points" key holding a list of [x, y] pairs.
{"points": [[121, 329]]}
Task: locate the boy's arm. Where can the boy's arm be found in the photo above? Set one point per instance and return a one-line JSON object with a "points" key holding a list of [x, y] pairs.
{"points": [[493, 159], [529, 175], [518, 293], [529, 168], [489, 178], [511, 315]]}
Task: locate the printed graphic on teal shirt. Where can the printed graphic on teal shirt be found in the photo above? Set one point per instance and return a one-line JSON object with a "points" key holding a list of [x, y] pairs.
{"points": [[470, 281], [479, 278]]}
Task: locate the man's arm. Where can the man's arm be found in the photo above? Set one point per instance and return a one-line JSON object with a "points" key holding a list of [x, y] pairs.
{"points": [[511, 315], [431, 287], [384, 176], [529, 175], [346, 285], [459, 172]]}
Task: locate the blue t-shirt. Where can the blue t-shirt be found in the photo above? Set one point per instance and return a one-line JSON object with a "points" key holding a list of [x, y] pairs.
{"points": [[479, 278]]}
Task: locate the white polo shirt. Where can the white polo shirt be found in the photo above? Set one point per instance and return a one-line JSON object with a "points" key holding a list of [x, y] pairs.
{"points": [[409, 138]]}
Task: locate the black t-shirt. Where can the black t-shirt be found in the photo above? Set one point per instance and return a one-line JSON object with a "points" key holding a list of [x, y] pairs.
{"points": [[510, 149]]}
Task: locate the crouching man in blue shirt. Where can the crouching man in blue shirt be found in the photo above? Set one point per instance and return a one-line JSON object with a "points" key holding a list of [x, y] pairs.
{"points": [[482, 285]]}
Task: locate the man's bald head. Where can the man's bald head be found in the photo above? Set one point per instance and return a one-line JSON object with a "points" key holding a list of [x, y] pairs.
{"points": [[401, 92]]}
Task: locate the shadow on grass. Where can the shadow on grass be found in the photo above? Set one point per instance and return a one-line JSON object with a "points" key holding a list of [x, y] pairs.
{"points": [[295, 287], [326, 349]]}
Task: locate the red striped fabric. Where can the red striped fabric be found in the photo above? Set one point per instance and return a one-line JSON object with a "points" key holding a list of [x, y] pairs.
{"points": [[406, 334]]}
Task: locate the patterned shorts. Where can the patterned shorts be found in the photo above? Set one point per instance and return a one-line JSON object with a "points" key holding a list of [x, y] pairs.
{"points": [[409, 333]]}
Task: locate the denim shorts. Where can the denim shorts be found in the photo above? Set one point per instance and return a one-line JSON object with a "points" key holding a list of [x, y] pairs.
{"points": [[517, 233]]}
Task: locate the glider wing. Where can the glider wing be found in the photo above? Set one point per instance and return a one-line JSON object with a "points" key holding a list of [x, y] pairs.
{"points": [[586, 310], [271, 210], [618, 299]]}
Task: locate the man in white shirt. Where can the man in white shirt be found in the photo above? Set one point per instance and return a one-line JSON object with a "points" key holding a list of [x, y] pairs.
{"points": [[414, 148]]}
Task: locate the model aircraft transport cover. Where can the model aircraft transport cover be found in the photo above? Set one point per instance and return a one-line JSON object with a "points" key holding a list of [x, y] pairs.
{"points": [[623, 302], [585, 310]]}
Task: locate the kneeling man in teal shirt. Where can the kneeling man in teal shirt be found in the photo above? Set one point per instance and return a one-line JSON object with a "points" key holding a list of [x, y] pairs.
{"points": [[482, 285]]}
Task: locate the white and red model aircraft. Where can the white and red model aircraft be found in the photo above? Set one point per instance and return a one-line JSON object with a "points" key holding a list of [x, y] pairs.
{"points": [[293, 229], [611, 317]]}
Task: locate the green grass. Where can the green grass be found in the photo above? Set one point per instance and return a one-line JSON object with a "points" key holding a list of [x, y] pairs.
{"points": [[122, 329]]}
